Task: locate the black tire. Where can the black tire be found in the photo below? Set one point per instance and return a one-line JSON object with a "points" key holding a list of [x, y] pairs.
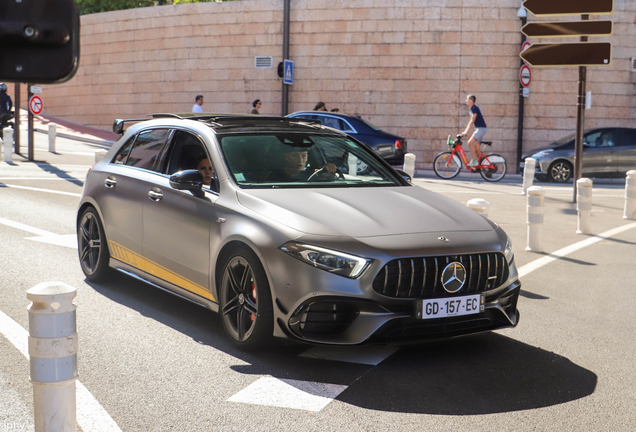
{"points": [[92, 246], [560, 171], [245, 301], [496, 174], [445, 170], [541, 177]]}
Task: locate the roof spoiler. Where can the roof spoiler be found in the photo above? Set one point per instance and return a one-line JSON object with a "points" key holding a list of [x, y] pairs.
{"points": [[118, 124]]}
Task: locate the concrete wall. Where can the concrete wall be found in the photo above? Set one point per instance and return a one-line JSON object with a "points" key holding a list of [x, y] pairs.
{"points": [[405, 65]]}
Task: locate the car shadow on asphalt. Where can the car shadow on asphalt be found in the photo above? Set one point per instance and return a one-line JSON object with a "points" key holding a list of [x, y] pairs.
{"points": [[479, 374]]}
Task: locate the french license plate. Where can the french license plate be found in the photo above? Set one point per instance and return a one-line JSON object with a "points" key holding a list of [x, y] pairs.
{"points": [[450, 306]]}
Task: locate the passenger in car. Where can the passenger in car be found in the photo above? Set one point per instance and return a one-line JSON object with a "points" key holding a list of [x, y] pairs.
{"points": [[205, 168]]}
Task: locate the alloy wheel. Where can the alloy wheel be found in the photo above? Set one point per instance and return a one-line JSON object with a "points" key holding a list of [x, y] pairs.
{"points": [[90, 243], [240, 308]]}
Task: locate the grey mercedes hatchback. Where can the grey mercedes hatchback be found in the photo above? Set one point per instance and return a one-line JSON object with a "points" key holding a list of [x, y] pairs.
{"points": [[256, 218]]}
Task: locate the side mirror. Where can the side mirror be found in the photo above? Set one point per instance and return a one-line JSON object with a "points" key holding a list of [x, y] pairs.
{"points": [[190, 180], [39, 41], [404, 175]]}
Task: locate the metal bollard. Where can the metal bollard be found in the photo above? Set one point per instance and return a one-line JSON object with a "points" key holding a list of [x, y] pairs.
{"points": [[353, 164], [630, 195], [409, 164], [535, 218], [479, 205], [528, 174], [7, 138], [53, 356], [99, 154], [52, 136], [584, 205]]}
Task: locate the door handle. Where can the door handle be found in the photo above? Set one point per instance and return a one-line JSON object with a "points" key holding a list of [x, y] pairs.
{"points": [[110, 182], [155, 195]]}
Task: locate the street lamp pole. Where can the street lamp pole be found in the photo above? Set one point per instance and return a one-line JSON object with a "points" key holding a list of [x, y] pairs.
{"points": [[523, 16]]}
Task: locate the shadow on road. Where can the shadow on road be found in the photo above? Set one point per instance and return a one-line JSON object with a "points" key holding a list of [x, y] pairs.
{"points": [[481, 374], [44, 166]]}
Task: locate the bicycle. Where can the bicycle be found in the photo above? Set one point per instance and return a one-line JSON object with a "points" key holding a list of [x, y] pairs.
{"points": [[447, 165]]}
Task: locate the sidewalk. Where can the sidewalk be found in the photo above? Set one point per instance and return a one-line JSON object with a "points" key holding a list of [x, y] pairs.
{"points": [[68, 129]]}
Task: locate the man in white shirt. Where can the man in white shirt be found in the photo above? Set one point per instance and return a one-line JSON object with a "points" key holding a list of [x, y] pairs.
{"points": [[198, 101]]}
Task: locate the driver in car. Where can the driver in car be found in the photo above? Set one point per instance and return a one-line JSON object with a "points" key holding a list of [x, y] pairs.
{"points": [[295, 169]]}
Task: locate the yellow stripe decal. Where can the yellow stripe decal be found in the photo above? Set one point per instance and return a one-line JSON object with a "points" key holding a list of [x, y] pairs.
{"points": [[134, 259]]}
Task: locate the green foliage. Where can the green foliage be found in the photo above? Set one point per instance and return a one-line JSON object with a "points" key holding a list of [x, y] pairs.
{"points": [[95, 6]]}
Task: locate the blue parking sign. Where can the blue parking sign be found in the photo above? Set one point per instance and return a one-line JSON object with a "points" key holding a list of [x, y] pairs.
{"points": [[288, 72]]}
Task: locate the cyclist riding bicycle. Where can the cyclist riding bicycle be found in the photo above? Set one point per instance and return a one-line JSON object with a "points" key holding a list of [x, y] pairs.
{"points": [[480, 129]]}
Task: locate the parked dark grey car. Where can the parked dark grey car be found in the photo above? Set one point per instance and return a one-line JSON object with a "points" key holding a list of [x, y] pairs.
{"points": [[391, 148], [607, 152], [283, 243]]}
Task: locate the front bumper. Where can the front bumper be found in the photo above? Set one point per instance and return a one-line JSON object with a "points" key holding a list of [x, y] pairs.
{"points": [[351, 320]]}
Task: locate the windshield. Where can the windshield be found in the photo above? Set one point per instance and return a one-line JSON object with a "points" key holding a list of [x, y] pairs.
{"points": [[301, 160]]}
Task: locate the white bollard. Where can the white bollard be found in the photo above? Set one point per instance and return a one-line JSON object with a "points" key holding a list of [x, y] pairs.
{"points": [[409, 164], [584, 205], [353, 164], [528, 174], [630, 195], [53, 356], [7, 139], [479, 205], [52, 136], [99, 154], [535, 218]]}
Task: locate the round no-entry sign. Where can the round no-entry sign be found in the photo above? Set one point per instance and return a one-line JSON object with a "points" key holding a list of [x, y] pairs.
{"points": [[524, 47], [36, 105], [525, 76]]}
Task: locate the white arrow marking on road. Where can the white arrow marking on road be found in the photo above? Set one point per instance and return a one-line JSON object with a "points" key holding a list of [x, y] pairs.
{"points": [[534, 265], [66, 240], [91, 416], [42, 190]]}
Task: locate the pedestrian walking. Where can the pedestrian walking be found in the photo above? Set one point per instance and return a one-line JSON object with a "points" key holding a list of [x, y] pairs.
{"points": [[198, 101], [256, 105], [477, 120], [320, 106]]}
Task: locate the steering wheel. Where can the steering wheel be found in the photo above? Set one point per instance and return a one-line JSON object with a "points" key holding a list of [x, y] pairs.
{"points": [[315, 175]]}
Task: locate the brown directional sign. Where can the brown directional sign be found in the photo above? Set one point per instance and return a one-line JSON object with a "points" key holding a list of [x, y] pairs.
{"points": [[567, 29], [568, 54], [569, 7]]}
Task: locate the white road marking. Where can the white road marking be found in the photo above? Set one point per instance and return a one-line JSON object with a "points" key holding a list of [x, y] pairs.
{"points": [[91, 416], [66, 240], [286, 393], [534, 265], [368, 355], [70, 177], [41, 190]]}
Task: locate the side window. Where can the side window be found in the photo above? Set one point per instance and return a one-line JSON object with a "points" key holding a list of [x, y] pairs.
{"points": [[147, 151], [122, 154], [332, 122], [628, 139], [593, 139], [188, 152]]}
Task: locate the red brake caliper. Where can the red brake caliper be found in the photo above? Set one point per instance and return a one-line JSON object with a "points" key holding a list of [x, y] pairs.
{"points": [[253, 296]]}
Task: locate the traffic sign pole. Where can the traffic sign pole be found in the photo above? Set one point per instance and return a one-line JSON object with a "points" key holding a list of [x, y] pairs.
{"points": [[580, 121], [31, 143], [524, 45]]}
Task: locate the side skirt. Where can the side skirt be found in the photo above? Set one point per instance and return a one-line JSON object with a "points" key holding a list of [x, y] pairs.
{"points": [[163, 285]]}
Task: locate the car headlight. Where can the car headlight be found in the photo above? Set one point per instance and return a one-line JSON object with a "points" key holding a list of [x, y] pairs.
{"points": [[542, 154], [508, 250], [340, 263]]}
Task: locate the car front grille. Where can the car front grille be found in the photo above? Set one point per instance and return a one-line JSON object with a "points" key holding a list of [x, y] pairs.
{"points": [[420, 277]]}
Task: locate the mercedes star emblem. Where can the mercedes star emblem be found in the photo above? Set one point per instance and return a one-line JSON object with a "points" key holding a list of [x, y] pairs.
{"points": [[453, 277]]}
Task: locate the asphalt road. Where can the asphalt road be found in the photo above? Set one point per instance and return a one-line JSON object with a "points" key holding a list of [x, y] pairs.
{"points": [[154, 362]]}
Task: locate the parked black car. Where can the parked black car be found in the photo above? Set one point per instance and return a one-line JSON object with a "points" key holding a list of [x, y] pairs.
{"points": [[391, 148], [607, 152]]}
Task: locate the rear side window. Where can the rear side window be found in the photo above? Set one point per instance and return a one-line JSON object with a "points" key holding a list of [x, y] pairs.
{"points": [[628, 138], [147, 153], [122, 154]]}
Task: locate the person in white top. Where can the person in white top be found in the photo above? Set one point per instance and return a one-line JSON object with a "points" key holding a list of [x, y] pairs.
{"points": [[198, 101]]}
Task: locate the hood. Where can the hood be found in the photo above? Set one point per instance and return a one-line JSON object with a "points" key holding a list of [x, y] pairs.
{"points": [[363, 212]]}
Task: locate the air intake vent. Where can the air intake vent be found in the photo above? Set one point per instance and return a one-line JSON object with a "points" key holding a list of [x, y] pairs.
{"points": [[264, 62]]}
